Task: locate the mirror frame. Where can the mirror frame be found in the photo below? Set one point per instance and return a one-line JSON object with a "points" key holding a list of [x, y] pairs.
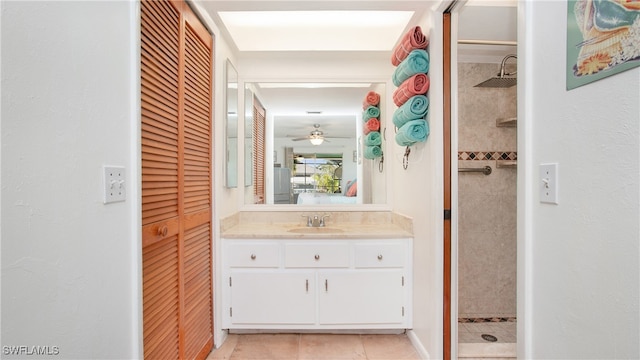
{"points": [[230, 154], [388, 142]]}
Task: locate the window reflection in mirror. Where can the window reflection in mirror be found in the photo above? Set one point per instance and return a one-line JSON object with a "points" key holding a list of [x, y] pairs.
{"points": [[231, 126], [314, 178], [311, 151]]}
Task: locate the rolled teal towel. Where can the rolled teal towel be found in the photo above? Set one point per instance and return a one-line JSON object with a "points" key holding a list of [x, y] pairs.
{"points": [[417, 62], [412, 132], [370, 112], [373, 138], [372, 152], [415, 108]]}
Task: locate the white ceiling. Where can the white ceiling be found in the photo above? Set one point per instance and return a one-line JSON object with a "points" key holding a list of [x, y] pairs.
{"points": [[478, 20]]}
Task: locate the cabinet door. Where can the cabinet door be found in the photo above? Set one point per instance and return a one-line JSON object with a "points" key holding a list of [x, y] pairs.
{"points": [[361, 297], [272, 298]]}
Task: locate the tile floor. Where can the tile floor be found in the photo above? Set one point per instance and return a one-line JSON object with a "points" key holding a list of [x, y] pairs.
{"points": [[315, 346]]}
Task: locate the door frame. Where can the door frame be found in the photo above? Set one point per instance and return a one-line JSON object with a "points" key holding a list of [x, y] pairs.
{"points": [[448, 332], [450, 180]]}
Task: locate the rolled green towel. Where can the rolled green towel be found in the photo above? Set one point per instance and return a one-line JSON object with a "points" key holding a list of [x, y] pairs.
{"points": [[412, 132], [415, 108], [372, 152], [370, 112], [417, 62], [373, 138]]}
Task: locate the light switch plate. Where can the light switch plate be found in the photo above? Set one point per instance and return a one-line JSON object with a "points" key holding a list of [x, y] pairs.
{"points": [[114, 184], [549, 183]]}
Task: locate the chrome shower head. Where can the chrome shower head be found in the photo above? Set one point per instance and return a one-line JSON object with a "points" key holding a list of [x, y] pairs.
{"points": [[503, 79], [498, 82]]}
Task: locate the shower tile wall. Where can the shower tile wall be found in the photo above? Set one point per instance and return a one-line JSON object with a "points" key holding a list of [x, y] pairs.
{"points": [[487, 204]]}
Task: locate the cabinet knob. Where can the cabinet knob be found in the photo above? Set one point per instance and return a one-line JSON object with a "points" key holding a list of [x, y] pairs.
{"points": [[163, 230], [379, 256], [317, 257], [253, 256]]}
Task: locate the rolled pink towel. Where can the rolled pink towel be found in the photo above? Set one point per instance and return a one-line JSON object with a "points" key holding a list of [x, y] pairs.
{"points": [[418, 84], [372, 99], [413, 39], [370, 125]]}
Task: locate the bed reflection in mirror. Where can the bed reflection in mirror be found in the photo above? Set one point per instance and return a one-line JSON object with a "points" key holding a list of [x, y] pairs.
{"points": [[312, 135]]}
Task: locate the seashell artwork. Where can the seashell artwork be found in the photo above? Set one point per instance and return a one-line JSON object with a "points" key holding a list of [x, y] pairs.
{"points": [[603, 38]]}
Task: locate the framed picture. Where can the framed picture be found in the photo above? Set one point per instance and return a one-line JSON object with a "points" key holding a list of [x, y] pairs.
{"points": [[603, 39]]}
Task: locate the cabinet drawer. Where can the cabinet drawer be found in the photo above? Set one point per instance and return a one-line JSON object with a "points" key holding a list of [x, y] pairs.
{"points": [[316, 255], [254, 255], [380, 255]]}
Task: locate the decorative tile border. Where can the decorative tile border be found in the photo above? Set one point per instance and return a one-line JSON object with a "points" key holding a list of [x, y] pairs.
{"points": [[487, 155], [487, 320]]}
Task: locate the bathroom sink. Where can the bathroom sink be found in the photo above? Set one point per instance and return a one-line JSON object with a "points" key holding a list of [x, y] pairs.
{"points": [[315, 230]]}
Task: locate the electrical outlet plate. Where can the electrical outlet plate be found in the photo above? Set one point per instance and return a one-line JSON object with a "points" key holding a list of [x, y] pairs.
{"points": [[549, 183], [114, 184]]}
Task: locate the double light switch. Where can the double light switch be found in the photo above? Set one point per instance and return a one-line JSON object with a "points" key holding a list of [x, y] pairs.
{"points": [[114, 184]]}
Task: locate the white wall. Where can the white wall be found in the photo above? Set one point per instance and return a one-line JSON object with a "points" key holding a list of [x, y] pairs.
{"points": [[70, 264], [418, 193], [579, 261]]}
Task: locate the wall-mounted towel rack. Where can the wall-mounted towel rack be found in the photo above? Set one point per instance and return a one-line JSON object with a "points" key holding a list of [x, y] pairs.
{"points": [[485, 170], [506, 163], [488, 42], [507, 122]]}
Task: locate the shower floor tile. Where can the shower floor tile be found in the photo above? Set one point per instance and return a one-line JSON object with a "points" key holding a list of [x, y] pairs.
{"points": [[472, 346], [505, 332]]}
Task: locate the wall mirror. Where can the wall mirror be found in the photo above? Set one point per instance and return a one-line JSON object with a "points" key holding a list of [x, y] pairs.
{"points": [[309, 145], [231, 125]]}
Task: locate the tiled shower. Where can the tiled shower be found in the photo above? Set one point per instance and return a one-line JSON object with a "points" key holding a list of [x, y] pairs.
{"points": [[487, 207]]}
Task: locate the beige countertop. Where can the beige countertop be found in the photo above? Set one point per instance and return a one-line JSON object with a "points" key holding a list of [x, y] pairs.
{"points": [[369, 227], [298, 231]]}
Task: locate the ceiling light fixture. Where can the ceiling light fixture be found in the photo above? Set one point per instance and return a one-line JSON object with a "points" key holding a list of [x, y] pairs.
{"points": [[316, 139]]}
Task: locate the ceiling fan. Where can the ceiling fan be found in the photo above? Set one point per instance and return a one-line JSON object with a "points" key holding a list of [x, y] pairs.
{"points": [[316, 136]]}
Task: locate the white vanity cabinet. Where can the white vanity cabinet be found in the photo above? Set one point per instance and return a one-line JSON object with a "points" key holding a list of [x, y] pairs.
{"points": [[317, 284]]}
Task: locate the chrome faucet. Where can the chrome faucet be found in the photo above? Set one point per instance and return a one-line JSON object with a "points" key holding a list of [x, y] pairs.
{"points": [[315, 220], [322, 222], [309, 220]]}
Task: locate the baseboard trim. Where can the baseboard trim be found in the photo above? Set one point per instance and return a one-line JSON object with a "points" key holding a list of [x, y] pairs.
{"points": [[422, 352]]}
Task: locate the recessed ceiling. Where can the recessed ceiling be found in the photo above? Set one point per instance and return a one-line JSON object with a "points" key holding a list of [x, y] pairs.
{"points": [[315, 30]]}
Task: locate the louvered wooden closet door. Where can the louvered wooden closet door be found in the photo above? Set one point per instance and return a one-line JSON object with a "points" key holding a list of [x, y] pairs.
{"points": [[176, 85]]}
